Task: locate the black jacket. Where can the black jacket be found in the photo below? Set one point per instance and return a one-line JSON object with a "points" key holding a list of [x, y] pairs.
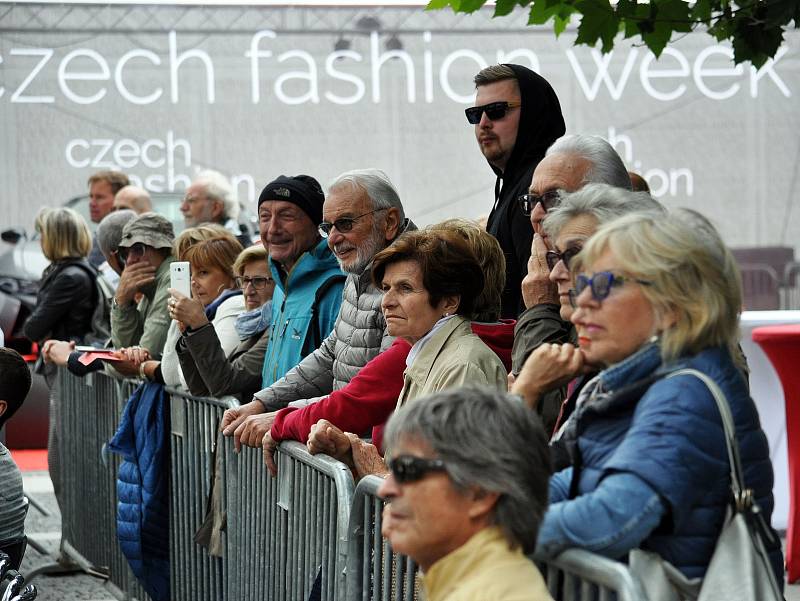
{"points": [[541, 124], [65, 303]]}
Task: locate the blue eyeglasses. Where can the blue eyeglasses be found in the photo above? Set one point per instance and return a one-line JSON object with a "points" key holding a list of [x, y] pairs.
{"points": [[601, 284]]}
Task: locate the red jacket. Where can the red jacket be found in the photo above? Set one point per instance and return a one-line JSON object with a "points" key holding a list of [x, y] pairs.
{"points": [[371, 396]]}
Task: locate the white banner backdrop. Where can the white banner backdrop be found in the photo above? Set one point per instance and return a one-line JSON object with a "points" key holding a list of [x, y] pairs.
{"points": [[163, 91]]}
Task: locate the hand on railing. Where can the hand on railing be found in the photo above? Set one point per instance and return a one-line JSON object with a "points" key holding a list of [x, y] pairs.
{"points": [[367, 458], [247, 428], [270, 445]]}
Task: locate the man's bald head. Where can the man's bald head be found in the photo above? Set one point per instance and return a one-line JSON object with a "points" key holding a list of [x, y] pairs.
{"points": [[134, 198]]}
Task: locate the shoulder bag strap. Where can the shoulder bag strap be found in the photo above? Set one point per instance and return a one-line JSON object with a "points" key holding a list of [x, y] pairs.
{"points": [[737, 474]]}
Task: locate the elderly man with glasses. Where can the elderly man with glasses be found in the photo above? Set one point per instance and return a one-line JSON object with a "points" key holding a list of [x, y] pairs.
{"points": [[145, 253], [361, 216], [569, 164], [466, 492]]}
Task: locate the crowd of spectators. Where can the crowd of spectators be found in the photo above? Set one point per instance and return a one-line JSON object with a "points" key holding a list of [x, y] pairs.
{"points": [[461, 364]]}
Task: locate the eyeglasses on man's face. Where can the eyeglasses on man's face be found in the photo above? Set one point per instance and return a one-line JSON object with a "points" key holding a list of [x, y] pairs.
{"points": [[257, 282], [343, 224], [553, 257], [602, 282], [493, 110], [135, 251], [408, 468], [549, 200]]}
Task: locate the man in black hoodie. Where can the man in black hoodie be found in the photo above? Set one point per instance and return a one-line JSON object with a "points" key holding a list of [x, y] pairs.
{"points": [[517, 117]]}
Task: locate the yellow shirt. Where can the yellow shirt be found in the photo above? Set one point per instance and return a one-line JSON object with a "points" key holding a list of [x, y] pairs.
{"points": [[485, 569]]}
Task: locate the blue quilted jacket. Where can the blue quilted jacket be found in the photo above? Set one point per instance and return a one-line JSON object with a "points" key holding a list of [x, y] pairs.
{"points": [[143, 487], [669, 434]]}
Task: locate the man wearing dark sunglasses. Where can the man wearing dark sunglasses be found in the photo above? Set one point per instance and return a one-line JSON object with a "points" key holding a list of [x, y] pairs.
{"points": [[466, 491], [516, 117], [145, 253]]}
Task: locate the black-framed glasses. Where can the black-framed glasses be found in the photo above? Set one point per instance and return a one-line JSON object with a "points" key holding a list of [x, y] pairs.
{"points": [[135, 250], [553, 256], [602, 282], [549, 200], [407, 468], [493, 110], [343, 224], [258, 282]]}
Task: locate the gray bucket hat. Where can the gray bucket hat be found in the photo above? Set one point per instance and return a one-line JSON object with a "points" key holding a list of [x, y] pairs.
{"points": [[151, 229]]}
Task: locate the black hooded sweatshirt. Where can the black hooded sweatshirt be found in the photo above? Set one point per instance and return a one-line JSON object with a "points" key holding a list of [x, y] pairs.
{"points": [[540, 124]]}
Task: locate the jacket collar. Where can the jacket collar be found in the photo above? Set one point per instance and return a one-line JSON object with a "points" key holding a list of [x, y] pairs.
{"points": [[452, 569], [421, 368], [639, 365], [318, 259]]}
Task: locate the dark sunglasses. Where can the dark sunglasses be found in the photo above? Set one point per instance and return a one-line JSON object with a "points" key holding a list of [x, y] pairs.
{"points": [[343, 224], [407, 468], [602, 282], [549, 200], [553, 257], [136, 250], [493, 110], [258, 282]]}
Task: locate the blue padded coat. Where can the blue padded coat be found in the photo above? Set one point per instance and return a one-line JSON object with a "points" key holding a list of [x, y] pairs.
{"points": [[670, 435], [142, 439]]}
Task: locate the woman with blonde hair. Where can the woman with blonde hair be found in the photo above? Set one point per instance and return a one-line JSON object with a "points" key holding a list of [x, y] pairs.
{"points": [[650, 469], [205, 365], [67, 294], [211, 252]]}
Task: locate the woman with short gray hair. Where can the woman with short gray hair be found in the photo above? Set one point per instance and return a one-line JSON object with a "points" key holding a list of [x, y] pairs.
{"points": [[466, 491], [568, 226]]}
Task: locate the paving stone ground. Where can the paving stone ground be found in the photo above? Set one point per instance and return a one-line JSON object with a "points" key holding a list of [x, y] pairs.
{"points": [[46, 530], [80, 587]]}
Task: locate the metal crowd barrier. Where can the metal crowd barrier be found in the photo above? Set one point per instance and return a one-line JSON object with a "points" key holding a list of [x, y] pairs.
{"points": [[375, 573], [308, 528], [194, 574], [289, 533], [90, 410]]}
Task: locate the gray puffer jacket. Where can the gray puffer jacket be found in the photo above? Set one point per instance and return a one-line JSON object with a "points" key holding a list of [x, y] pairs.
{"points": [[358, 336]]}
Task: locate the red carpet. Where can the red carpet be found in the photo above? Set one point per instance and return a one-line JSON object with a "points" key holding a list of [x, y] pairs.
{"points": [[31, 460]]}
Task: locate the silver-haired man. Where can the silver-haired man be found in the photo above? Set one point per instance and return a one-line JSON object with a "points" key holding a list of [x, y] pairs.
{"points": [[212, 199], [362, 215], [569, 164]]}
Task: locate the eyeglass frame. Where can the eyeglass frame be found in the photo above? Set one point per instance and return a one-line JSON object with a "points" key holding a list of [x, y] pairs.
{"points": [[503, 105], [326, 227], [582, 281], [566, 256], [549, 200], [123, 252], [407, 469], [242, 281]]}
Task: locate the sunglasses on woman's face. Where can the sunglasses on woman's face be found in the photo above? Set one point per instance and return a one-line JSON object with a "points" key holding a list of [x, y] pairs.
{"points": [[493, 110], [407, 468], [602, 282], [553, 257]]}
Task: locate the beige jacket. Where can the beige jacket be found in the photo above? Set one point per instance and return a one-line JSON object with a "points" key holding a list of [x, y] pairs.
{"points": [[485, 569], [453, 357]]}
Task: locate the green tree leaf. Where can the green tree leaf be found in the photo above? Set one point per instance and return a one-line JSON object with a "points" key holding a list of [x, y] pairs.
{"points": [[754, 27], [440, 4], [504, 7], [597, 23]]}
